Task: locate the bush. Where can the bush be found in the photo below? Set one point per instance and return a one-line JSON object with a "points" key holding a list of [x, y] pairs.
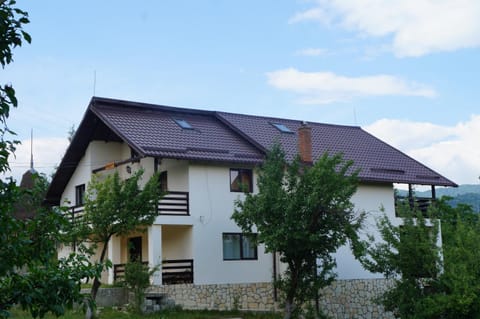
{"points": [[137, 280]]}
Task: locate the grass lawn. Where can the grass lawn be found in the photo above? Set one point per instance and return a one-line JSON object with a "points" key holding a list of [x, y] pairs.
{"points": [[108, 313]]}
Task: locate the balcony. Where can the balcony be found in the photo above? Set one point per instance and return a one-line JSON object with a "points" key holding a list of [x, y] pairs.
{"points": [[421, 204], [174, 203], [119, 271], [75, 214], [175, 271], [178, 271]]}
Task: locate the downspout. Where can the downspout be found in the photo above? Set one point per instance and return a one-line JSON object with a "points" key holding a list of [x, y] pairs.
{"points": [[155, 165], [275, 294]]}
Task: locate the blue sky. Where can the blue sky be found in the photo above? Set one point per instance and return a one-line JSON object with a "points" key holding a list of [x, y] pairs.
{"points": [[406, 71]]}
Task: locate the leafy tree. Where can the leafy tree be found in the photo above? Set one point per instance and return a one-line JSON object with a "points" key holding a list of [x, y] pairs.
{"points": [[459, 288], [29, 274], [116, 207], [408, 254], [426, 285], [12, 21], [34, 278], [137, 280], [304, 213], [71, 133]]}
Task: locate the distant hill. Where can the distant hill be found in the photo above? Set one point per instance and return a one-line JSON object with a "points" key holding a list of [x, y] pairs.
{"points": [[463, 194]]}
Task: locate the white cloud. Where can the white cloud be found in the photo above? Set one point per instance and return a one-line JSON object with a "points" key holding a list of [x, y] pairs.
{"points": [[47, 154], [328, 87], [420, 134], [312, 52], [452, 151], [415, 27], [312, 14]]}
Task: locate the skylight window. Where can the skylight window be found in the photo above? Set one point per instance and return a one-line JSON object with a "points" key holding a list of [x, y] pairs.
{"points": [[281, 127], [183, 124]]}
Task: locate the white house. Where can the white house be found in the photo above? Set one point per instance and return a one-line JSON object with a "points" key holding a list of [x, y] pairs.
{"points": [[202, 157]]}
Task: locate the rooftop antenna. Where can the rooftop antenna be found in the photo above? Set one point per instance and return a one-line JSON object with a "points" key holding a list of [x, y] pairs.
{"points": [[94, 81], [355, 116]]}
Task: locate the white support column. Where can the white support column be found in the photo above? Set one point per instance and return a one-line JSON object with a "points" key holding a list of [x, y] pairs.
{"points": [[155, 252], [114, 254]]}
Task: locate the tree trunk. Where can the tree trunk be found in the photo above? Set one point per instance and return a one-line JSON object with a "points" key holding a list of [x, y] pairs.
{"points": [[288, 309], [290, 295], [315, 278], [89, 314]]}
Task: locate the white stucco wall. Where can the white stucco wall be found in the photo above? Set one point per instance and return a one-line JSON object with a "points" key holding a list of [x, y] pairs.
{"points": [[104, 152], [369, 199], [177, 176], [177, 242], [199, 236], [80, 176], [211, 207]]}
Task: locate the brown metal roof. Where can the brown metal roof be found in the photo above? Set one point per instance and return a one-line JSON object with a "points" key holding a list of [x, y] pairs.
{"points": [[377, 161], [151, 130]]}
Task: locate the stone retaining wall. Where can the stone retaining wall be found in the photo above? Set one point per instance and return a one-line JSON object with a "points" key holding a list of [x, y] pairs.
{"points": [[254, 296], [355, 299], [346, 299], [109, 297]]}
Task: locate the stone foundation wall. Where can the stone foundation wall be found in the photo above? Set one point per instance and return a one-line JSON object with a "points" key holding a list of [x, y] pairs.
{"points": [[348, 299], [345, 299], [254, 296], [109, 297]]}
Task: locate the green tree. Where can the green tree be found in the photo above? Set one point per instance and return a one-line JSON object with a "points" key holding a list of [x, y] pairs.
{"points": [[116, 207], [409, 255], [29, 274], [33, 277], [425, 285], [71, 133], [304, 213], [137, 280], [12, 21], [459, 287]]}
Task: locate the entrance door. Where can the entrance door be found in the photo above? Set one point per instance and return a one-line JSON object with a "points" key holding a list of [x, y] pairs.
{"points": [[135, 249]]}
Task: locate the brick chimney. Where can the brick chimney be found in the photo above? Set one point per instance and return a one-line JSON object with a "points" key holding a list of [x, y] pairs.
{"points": [[305, 143]]}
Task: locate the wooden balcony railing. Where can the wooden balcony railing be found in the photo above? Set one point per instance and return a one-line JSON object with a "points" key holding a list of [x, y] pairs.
{"points": [[174, 203], [415, 203], [75, 214], [177, 271], [174, 271], [119, 271]]}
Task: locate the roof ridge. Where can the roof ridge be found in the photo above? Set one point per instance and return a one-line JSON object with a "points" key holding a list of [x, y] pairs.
{"points": [[102, 101], [290, 120], [182, 109]]}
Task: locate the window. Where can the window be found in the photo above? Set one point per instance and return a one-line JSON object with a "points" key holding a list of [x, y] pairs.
{"points": [[80, 195], [238, 246], [241, 180], [183, 124], [282, 127]]}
